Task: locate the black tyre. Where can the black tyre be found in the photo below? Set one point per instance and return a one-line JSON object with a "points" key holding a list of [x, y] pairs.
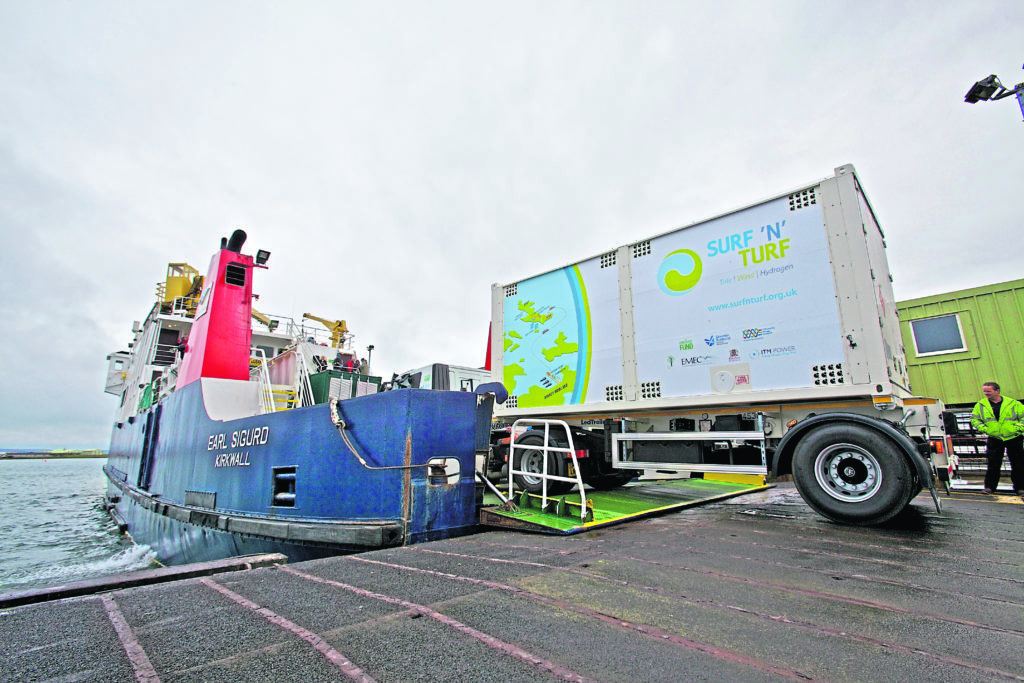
{"points": [[532, 460], [852, 474], [612, 481]]}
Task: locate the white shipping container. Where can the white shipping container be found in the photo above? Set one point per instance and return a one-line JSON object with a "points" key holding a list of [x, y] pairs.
{"points": [[788, 299]]}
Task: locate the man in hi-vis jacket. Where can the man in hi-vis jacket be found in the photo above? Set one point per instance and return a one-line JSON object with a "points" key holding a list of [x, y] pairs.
{"points": [[1001, 419]]}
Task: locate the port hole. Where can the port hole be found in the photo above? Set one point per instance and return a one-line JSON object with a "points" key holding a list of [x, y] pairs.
{"points": [[284, 487], [443, 471]]}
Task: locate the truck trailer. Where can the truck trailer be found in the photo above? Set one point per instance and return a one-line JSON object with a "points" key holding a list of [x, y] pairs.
{"points": [[762, 342]]}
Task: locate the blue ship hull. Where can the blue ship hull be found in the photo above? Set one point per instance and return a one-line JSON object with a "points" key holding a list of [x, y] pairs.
{"points": [[196, 489]]}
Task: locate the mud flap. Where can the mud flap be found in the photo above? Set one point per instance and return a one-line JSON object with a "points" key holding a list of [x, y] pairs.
{"points": [[935, 495]]}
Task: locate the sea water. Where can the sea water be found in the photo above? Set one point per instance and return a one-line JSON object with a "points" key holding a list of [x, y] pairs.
{"points": [[53, 527]]}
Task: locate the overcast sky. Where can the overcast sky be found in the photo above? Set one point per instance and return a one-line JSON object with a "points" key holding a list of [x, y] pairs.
{"points": [[399, 157]]}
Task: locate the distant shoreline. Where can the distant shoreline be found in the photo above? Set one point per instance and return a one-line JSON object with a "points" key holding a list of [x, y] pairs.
{"points": [[45, 455]]}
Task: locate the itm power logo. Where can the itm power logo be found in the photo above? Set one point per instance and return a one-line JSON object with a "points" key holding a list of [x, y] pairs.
{"points": [[679, 272]]}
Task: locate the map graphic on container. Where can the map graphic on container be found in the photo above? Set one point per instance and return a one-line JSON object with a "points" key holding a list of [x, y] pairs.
{"points": [[544, 364], [561, 334]]}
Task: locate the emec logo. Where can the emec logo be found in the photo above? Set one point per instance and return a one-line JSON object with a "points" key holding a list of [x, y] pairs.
{"points": [[679, 272]]}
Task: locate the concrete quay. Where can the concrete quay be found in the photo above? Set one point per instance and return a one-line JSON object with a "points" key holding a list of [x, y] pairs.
{"points": [[754, 588]]}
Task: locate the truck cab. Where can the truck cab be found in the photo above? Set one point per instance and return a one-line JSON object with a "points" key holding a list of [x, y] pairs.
{"points": [[441, 377]]}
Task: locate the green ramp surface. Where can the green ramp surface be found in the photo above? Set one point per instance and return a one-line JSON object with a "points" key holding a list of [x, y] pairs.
{"points": [[633, 501]]}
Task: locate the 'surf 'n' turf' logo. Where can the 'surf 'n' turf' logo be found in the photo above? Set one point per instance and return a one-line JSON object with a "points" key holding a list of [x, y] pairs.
{"points": [[679, 272]]}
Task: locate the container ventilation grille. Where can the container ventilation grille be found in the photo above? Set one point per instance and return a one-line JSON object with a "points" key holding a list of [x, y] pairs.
{"points": [[613, 393], [801, 200], [827, 374], [511, 290], [650, 390], [608, 260], [641, 249], [512, 402], [339, 388]]}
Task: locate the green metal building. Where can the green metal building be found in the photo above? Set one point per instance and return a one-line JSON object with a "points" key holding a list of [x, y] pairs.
{"points": [[955, 342]]}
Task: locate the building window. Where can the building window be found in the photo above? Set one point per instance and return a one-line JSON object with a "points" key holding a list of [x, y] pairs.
{"points": [[942, 334]]}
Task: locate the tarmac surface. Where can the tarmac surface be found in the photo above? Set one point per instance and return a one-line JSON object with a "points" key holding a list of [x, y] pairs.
{"points": [[750, 589]]}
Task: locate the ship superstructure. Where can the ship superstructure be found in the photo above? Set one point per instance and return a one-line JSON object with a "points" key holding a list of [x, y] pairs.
{"points": [[240, 432]]}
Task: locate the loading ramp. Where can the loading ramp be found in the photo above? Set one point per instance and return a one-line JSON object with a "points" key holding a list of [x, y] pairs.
{"points": [[563, 514]]}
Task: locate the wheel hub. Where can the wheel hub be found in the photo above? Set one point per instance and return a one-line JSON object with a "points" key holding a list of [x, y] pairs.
{"points": [[852, 471], [848, 472], [533, 462]]}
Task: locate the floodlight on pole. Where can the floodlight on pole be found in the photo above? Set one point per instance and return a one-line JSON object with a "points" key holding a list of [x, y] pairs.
{"points": [[989, 88], [983, 89]]}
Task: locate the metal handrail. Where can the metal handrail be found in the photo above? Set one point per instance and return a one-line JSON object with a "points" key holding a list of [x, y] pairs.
{"points": [[304, 388], [266, 390], [546, 448], [164, 352], [183, 304], [316, 335]]}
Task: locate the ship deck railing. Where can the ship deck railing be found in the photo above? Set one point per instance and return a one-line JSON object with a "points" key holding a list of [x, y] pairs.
{"points": [[262, 375], [297, 393]]}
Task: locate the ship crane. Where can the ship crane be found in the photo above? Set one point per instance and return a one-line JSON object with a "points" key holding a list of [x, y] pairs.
{"points": [[271, 324], [337, 328]]}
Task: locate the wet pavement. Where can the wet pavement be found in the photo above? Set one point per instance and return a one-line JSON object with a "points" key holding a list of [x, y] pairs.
{"points": [[753, 588]]}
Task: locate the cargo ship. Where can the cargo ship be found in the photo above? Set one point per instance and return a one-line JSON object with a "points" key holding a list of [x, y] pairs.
{"points": [[240, 433]]}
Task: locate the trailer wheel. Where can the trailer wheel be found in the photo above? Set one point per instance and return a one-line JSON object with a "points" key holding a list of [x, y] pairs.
{"points": [[612, 481], [532, 460], [852, 474]]}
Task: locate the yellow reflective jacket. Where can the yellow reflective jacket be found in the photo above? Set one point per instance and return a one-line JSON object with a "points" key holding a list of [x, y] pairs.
{"points": [[1010, 423]]}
